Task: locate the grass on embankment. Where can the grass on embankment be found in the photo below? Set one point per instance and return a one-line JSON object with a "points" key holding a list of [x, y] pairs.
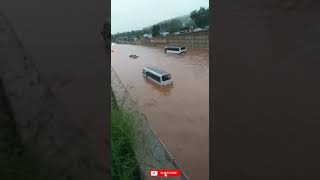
{"points": [[124, 163]]}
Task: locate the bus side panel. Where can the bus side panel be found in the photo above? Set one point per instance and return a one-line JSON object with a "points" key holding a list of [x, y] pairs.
{"points": [[155, 81], [149, 76], [175, 52]]}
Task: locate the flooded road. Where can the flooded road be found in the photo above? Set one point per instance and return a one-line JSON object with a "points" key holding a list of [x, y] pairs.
{"points": [[180, 113]]}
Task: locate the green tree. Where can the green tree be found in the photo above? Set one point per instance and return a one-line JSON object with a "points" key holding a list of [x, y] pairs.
{"points": [[200, 17], [190, 23], [163, 27], [146, 30], [155, 30], [174, 25]]}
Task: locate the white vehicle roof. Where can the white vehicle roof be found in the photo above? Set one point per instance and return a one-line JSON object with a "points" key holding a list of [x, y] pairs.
{"points": [[158, 71], [175, 46]]}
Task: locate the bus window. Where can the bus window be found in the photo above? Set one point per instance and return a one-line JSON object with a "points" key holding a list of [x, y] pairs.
{"points": [[166, 77]]}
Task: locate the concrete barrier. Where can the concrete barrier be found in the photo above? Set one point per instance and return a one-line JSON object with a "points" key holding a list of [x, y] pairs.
{"points": [[190, 40]]}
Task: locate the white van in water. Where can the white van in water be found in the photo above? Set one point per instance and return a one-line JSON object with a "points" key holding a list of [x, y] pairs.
{"points": [[158, 76], [175, 49]]}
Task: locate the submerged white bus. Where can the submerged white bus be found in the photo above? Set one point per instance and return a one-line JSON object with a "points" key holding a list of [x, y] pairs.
{"points": [[175, 49], [157, 75]]}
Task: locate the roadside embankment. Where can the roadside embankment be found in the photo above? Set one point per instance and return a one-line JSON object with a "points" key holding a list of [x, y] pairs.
{"points": [[124, 162]]}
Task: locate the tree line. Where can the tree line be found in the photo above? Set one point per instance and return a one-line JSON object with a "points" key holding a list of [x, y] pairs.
{"points": [[199, 19]]}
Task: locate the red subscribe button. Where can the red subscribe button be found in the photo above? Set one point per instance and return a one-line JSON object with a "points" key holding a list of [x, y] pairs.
{"points": [[164, 173]]}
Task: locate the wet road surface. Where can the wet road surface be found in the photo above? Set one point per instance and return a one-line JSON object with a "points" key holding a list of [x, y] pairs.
{"points": [[180, 113]]}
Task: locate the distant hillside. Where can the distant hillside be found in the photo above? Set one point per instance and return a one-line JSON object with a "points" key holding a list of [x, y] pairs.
{"points": [[184, 19]]}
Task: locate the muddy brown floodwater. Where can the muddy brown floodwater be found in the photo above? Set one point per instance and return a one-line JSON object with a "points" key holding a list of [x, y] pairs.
{"points": [[180, 113]]}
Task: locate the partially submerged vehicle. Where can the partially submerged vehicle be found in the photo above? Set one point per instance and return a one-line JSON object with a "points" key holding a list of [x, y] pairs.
{"points": [[157, 75], [197, 30], [133, 56], [175, 49]]}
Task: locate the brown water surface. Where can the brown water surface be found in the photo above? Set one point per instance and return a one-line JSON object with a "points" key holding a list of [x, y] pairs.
{"points": [[180, 113]]}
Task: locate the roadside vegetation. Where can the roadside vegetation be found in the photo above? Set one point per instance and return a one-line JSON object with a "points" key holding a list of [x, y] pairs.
{"points": [[124, 163], [196, 19]]}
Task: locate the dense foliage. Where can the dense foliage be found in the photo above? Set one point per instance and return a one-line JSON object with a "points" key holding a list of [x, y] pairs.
{"points": [[155, 30], [200, 17]]}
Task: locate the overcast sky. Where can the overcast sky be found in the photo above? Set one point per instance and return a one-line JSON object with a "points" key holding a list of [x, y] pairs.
{"points": [[127, 15]]}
